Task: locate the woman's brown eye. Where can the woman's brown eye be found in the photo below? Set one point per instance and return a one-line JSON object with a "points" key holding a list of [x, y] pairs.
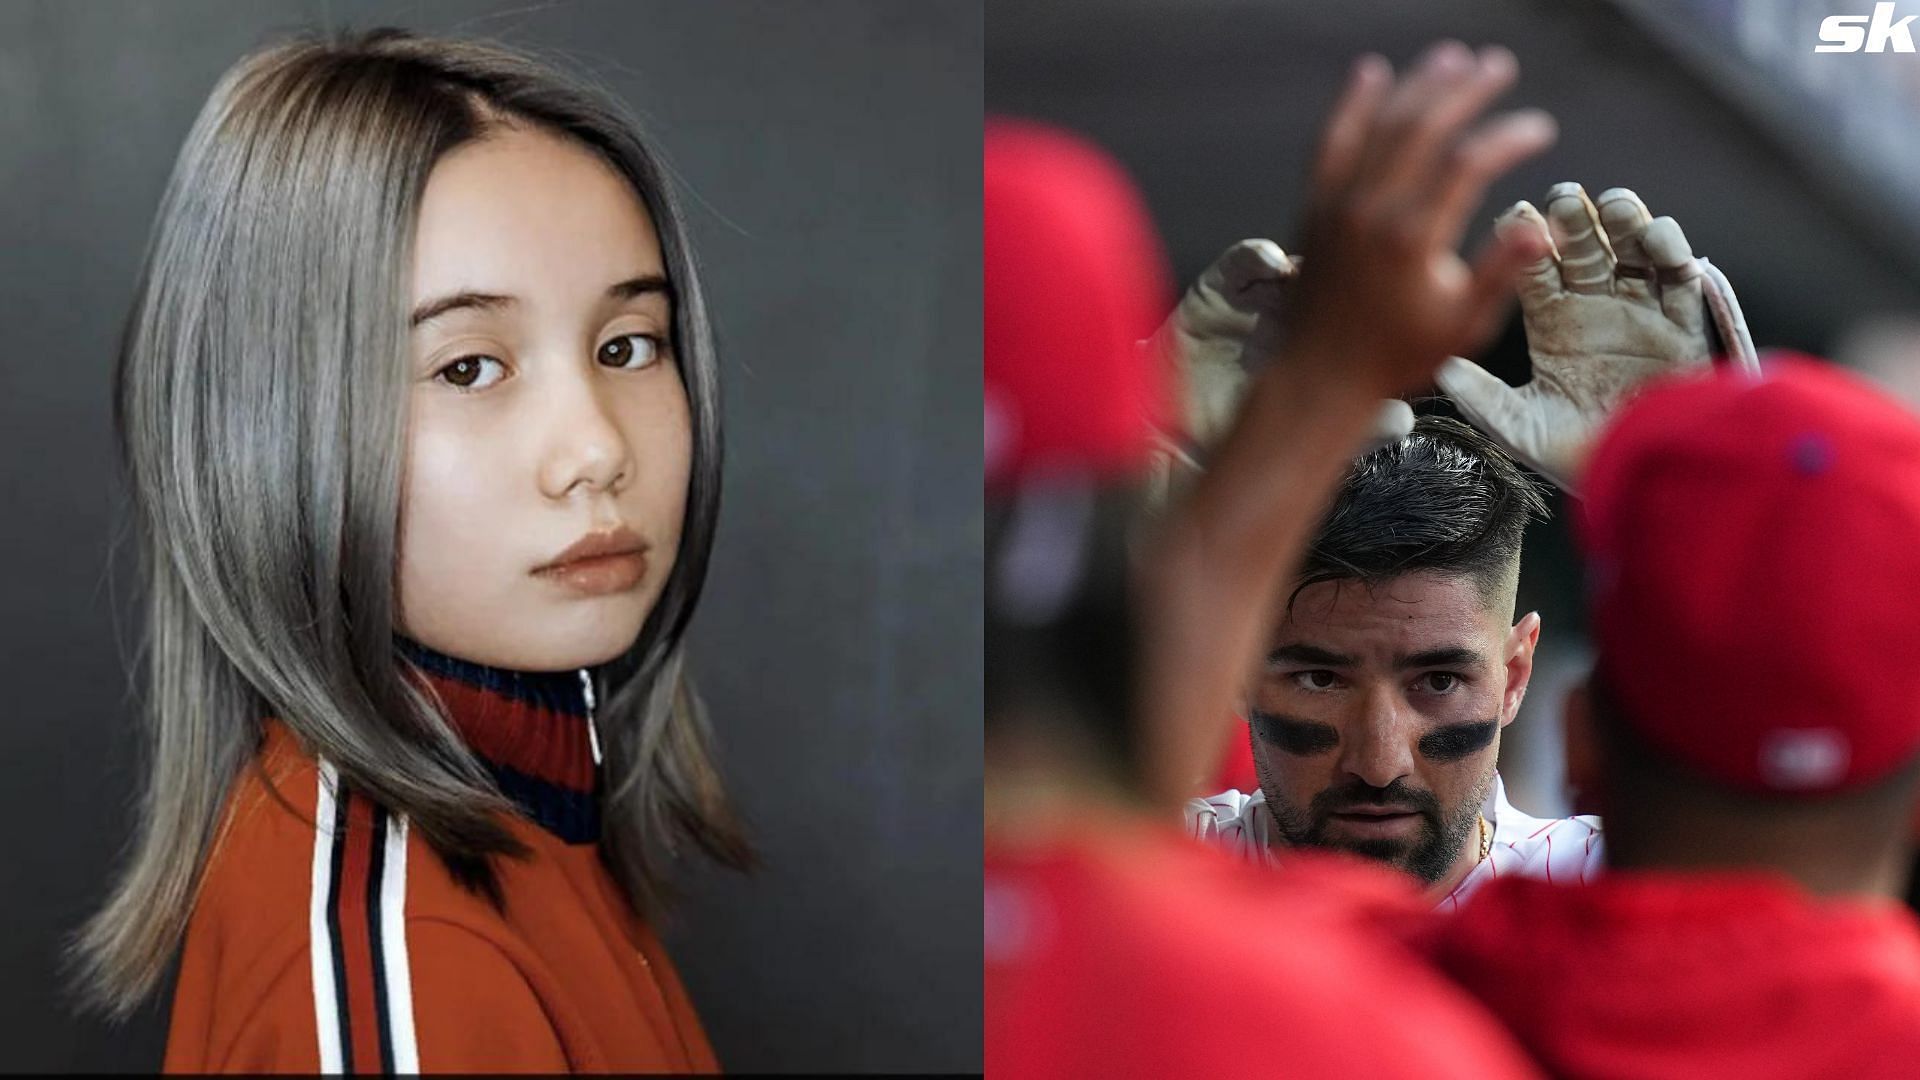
{"points": [[629, 351], [471, 373]]}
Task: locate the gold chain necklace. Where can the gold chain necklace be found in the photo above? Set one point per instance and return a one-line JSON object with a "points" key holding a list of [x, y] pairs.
{"points": [[1486, 839]]}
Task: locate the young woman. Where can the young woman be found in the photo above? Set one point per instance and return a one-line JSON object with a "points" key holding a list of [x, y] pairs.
{"points": [[418, 404]]}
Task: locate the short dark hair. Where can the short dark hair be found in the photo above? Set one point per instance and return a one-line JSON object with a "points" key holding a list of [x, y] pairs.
{"points": [[1445, 498]]}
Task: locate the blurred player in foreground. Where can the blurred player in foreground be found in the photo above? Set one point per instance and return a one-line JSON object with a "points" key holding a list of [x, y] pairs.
{"points": [[1097, 959], [1752, 735]]}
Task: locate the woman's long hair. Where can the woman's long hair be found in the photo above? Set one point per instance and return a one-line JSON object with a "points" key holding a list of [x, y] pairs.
{"points": [[260, 405]]}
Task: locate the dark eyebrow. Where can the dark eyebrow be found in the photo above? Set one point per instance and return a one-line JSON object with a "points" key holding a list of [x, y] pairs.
{"points": [[639, 286], [1309, 654], [1452, 656], [433, 309], [623, 290]]}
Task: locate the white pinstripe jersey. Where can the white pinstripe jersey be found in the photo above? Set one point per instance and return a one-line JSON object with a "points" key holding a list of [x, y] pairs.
{"points": [[1552, 849]]}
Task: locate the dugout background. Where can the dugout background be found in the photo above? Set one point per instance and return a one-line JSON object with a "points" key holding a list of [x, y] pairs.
{"points": [[831, 152]]}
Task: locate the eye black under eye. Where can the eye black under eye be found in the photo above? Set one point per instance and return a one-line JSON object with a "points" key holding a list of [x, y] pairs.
{"points": [[1458, 741], [1298, 737]]}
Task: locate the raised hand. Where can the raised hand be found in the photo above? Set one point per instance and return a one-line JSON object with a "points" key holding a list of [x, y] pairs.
{"points": [[1618, 299], [1226, 326], [1384, 294], [1208, 334]]}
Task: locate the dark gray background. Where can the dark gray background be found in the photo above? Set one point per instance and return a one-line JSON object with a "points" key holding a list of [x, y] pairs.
{"points": [[832, 152], [1215, 106]]}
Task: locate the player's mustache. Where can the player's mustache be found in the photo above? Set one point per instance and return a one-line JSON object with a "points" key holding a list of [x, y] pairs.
{"points": [[1360, 795]]}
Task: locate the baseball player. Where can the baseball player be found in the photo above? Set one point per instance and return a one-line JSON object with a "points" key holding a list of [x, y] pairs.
{"points": [[1395, 662], [1750, 732]]}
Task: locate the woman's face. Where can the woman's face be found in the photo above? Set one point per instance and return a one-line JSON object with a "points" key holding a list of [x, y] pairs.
{"points": [[546, 410]]}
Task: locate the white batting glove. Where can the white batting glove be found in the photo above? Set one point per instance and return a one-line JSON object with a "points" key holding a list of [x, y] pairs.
{"points": [[1619, 300], [1225, 328]]}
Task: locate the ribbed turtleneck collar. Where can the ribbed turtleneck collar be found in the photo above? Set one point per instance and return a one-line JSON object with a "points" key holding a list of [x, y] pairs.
{"points": [[531, 731]]}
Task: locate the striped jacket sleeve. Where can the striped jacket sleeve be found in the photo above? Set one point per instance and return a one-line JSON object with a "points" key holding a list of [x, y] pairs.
{"points": [[473, 1012], [385, 991]]}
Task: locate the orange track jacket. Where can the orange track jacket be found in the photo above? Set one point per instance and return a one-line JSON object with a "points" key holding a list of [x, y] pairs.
{"points": [[328, 937]]}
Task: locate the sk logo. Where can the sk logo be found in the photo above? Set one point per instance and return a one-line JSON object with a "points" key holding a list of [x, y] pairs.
{"points": [[1846, 33]]}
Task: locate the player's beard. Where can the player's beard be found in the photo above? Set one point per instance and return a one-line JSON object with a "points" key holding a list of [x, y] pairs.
{"points": [[1427, 856]]}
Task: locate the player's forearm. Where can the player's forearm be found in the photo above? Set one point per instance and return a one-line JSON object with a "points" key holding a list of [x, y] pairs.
{"points": [[1209, 574]]}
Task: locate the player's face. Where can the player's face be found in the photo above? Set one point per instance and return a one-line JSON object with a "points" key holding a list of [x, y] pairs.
{"points": [[1376, 716]]}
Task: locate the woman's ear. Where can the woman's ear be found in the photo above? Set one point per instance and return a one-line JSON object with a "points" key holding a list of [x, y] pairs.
{"points": [[1518, 650], [1583, 751]]}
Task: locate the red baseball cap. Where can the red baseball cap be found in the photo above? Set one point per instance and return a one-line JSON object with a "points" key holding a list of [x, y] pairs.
{"points": [[1753, 550], [1075, 279]]}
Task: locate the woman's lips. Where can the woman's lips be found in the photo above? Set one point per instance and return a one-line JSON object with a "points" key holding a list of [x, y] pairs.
{"points": [[598, 575], [598, 563]]}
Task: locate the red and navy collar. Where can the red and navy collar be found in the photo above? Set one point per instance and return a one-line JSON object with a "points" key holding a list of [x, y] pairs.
{"points": [[531, 731]]}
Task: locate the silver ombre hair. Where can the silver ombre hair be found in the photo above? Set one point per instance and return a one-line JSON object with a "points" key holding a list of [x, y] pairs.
{"points": [[260, 404]]}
